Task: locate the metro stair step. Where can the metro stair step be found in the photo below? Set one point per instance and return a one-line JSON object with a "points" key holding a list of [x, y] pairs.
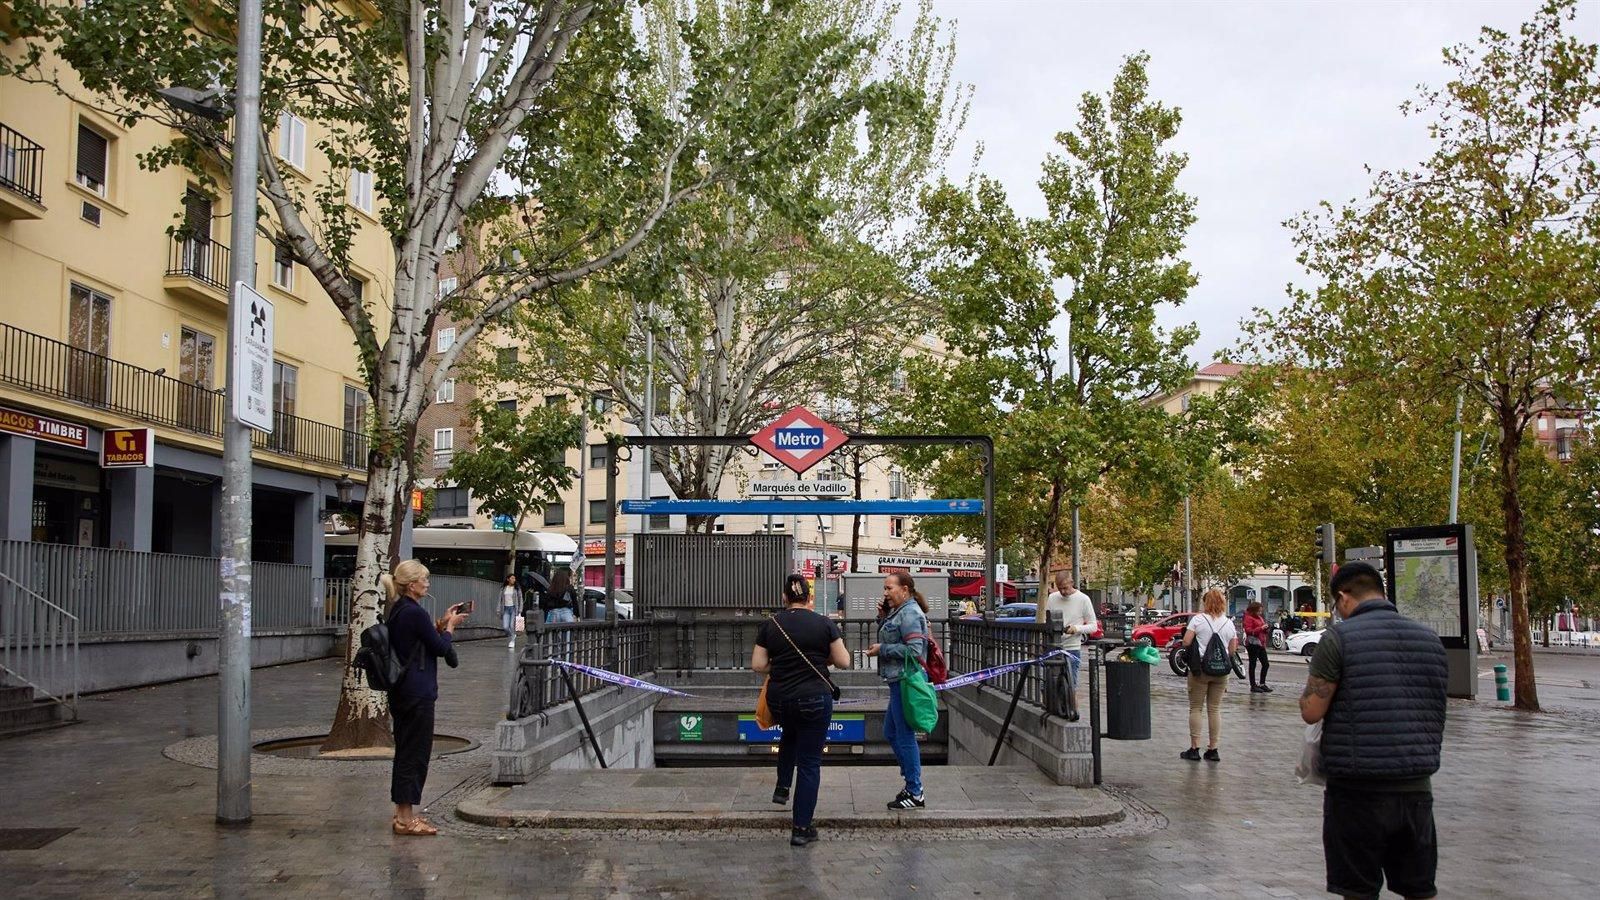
{"points": [[20, 713]]}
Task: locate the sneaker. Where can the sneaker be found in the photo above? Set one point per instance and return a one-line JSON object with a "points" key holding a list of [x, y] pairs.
{"points": [[907, 800], [799, 837], [1213, 756], [1192, 754], [780, 795], [1255, 688], [1265, 689]]}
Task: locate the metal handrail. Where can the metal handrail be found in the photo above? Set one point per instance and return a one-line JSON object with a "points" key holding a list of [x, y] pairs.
{"points": [[21, 164], [56, 643], [200, 258]]}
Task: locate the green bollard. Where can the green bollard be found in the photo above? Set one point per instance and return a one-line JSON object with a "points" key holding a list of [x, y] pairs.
{"points": [[1502, 685]]}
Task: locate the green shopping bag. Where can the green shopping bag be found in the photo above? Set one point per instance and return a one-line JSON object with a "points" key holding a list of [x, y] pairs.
{"points": [[917, 698]]}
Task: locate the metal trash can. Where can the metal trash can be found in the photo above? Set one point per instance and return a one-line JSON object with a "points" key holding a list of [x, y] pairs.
{"points": [[1127, 701]]}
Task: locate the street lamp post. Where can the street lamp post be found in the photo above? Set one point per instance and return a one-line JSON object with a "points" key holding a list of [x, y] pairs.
{"points": [[233, 695]]}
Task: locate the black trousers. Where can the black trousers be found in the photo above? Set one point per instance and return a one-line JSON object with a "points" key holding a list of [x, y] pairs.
{"points": [[1257, 654], [413, 747]]}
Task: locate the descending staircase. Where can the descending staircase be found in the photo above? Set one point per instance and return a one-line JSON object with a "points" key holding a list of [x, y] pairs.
{"points": [[21, 713]]}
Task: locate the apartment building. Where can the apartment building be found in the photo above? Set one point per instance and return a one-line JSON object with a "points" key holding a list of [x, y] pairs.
{"points": [[113, 320]]}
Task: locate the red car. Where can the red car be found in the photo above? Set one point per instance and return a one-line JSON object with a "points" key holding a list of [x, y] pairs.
{"points": [[1162, 633]]}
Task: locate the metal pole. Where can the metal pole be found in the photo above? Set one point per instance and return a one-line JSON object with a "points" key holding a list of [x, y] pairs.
{"points": [[1077, 554], [1188, 556], [611, 530], [233, 644], [993, 589], [1455, 460], [649, 403], [583, 492]]}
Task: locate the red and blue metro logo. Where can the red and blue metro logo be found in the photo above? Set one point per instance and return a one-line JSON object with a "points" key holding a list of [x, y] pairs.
{"points": [[799, 439]]}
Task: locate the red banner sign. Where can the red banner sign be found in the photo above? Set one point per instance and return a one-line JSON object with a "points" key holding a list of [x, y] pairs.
{"points": [[127, 448], [42, 428]]}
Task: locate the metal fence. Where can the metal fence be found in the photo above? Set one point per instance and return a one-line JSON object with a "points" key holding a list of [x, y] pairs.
{"points": [[624, 648], [976, 644], [52, 368], [722, 572], [38, 643], [333, 596], [21, 164], [117, 592], [199, 258]]}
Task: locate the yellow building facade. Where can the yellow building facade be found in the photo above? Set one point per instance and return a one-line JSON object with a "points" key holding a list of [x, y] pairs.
{"points": [[113, 315]]}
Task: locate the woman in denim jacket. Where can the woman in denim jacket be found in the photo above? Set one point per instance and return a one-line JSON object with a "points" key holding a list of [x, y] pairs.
{"points": [[901, 636]]}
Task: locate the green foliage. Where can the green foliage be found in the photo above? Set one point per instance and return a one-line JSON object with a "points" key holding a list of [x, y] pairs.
{"points": [[1062, 418], [518, 463]]}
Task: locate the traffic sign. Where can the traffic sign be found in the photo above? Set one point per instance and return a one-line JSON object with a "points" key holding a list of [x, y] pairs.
{"points": [[800, 488], [799, 439]]}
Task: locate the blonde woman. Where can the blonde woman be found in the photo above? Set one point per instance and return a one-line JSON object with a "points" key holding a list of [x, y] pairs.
{"points": [[420, 643], [1205, 691]]}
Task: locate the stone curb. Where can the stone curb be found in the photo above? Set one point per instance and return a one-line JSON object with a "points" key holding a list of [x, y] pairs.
{"points": [[480, 809]]}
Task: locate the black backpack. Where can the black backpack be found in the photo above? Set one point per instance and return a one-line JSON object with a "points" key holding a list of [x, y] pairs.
{"points": [[377, 660], [1213, 660]]}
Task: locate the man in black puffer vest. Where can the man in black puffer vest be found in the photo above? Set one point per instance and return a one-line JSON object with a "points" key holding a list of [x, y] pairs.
{"points": [[1377, 685]]}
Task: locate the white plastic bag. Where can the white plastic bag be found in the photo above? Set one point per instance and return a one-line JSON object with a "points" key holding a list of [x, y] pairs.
{"points": [[521, 625], [1309, 769]]}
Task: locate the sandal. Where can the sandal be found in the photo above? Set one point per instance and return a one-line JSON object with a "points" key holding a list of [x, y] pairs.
{"points": [[417, 826]]}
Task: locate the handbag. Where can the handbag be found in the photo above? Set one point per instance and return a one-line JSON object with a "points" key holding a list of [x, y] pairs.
{"points": [[764, 716], [918, 701], [832, 688]]}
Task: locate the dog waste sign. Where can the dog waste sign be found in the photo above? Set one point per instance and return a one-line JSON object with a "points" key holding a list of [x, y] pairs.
{"points": [[252, 358], [691, 728]]}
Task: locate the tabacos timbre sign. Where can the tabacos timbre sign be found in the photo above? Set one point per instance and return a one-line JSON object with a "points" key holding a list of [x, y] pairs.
{"points": [[15, 421], [799, 439], [127, 448]]}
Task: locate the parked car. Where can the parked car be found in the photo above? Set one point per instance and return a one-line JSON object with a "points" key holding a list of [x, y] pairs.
{"points": [[1153, 615], [1019, 613], [1304, 642], [1160, 633], [598, 595]]}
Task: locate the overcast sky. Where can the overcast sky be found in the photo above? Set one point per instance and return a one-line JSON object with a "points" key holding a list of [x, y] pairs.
{"points": [[1283, 103]]}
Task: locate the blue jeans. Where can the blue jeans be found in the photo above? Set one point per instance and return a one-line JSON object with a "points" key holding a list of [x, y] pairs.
{"points": [[560, 616], [805, 729], [508, 620], [1075, 662], [903, 740]]}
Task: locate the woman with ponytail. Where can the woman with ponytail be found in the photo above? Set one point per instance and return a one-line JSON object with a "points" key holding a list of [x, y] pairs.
{"points": [[794, 648], [902, 637], [419, 642]]}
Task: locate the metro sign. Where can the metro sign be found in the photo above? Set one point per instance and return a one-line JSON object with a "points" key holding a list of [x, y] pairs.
{"points": [[799, 439]]}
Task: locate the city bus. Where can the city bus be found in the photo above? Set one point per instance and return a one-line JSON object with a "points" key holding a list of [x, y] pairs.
{"points": [[467, 552]]}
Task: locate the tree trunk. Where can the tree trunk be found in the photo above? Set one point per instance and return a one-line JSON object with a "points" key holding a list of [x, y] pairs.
{"points": [[362, 718], [1526, 692], [1051, 523]]}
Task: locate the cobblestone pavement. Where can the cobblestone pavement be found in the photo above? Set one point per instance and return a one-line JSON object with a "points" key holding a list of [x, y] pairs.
{"points": [[1516, 807]]}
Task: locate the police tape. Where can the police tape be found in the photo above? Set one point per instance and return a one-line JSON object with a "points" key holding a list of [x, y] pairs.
{"points": [[958, 681]]}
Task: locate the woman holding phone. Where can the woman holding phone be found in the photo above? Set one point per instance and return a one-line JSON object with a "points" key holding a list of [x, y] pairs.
{"points": [[419, 642]]}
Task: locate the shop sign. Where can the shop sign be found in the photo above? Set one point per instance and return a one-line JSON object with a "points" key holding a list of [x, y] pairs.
{"points": [[43, 428], [74, 476], [929, 562], [127, 448], [598, 548]]}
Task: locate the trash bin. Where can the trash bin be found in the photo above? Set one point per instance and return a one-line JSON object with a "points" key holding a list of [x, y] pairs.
{"points": [[1127, 701]]}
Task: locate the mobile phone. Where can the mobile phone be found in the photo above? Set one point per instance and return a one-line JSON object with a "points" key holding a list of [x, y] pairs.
{"points": [[464, 608]]}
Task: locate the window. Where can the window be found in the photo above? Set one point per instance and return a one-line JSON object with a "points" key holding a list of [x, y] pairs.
{"points": [[599, 455], [555, 514], [446, 392], [285, 390], [451, 502], [361, 190], [452, 241], [292, 140], [1183, 402], [557, 401], [445, 339], [89, 330], [283, 265], [663, 399], [658, 522], [356, 406], [358, 288], [897, 526], [444, 446], [719, 527], [897, 485], [597, 511], [778, 523], [447, 286], [197, 363], [1544, 424], [600, 404], [507, 405], [505, 358], [94, 154], [825, 523]]}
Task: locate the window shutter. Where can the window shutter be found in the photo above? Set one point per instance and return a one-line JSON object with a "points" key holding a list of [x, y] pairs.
{"points": [[91, 154], [196, 215]]}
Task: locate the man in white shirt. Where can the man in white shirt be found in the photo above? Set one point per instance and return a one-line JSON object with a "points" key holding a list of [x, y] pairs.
{"points": [[1077, 611]]}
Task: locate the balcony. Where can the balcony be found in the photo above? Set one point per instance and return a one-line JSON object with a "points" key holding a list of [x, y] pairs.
{"points": [[21, 176], [52, 369], [197, 268]]}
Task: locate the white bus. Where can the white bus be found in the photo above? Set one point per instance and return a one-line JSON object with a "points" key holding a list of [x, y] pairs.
{"points": [[467, 552]]}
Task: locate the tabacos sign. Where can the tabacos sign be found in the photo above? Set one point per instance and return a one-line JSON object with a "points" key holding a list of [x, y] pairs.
{"points": [[127, 448], [799, 439]]}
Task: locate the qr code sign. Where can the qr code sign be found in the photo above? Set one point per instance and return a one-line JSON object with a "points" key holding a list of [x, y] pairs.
{"points": [[258, 377]]}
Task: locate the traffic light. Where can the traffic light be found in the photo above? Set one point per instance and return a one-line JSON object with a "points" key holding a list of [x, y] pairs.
{"points": [[1325, 544], [833, 562]]}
